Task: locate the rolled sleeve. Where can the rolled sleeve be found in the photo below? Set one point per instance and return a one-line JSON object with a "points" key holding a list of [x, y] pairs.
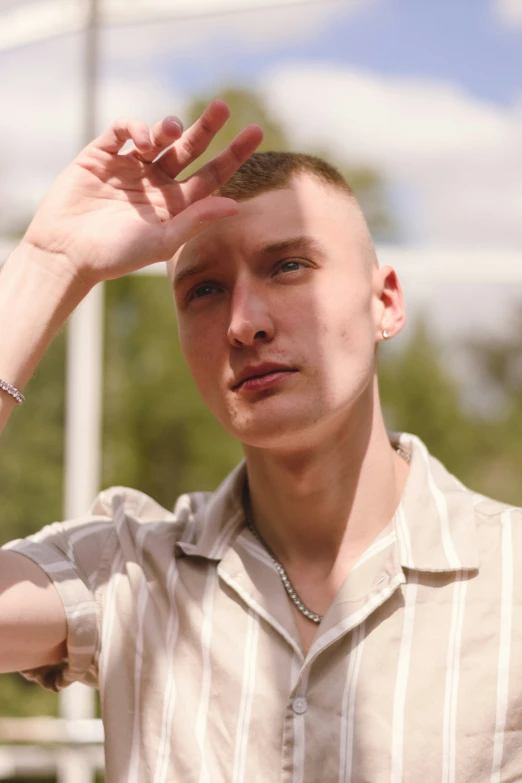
{"points": [[72, 554]]}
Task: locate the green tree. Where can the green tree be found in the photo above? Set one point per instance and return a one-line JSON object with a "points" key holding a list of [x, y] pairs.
{"points": [[500, 361], [245, 108], [420, 395]]}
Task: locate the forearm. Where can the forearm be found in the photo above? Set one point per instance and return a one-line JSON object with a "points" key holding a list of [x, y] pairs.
{"points": [[37, 295]]}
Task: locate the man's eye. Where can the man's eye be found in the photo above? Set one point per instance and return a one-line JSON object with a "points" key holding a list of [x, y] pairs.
{"points": [[290, 266], [203, 290]]}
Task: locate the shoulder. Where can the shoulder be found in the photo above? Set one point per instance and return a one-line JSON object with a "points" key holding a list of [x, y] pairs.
{"points": [[490, 512], [116, 501], [128, 507], [498, 533], [201, 523]]}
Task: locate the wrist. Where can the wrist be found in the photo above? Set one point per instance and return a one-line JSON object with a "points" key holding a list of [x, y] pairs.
{"points": [[38, 292], [31, 263]]}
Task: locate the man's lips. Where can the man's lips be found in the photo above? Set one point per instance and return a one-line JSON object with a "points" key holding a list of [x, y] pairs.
{"points": [[262, 375]]}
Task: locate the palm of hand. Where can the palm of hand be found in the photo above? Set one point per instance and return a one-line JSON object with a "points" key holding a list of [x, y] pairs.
{"points": [[116, 200], [110, 214]]}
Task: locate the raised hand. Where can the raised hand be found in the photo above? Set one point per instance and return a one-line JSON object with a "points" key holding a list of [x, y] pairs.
{"points": [[110, 213]]}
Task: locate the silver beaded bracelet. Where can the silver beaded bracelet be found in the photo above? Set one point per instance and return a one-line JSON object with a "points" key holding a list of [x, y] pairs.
{"points": [[19, 397]]}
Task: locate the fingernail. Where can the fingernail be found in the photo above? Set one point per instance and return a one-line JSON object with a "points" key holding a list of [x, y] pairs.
{"points": [[175, 121]]}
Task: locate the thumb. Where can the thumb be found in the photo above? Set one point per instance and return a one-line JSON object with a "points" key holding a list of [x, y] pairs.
{"points": [[194, 219]]}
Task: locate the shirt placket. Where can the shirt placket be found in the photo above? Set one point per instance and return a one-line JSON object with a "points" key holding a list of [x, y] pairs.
{"points": [[364, 591]]}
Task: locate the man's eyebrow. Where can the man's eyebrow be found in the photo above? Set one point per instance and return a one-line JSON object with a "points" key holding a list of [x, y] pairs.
{"points": [[190, 271], [301, 242]]}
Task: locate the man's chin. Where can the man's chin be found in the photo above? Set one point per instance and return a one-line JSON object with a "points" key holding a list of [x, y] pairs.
{"points": [[269, 429]]}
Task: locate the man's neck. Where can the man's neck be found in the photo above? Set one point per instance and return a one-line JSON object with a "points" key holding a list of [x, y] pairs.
{"points": [[320, 508]]}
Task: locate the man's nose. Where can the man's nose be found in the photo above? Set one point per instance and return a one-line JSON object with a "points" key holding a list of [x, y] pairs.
{"points": [[250, 319]]}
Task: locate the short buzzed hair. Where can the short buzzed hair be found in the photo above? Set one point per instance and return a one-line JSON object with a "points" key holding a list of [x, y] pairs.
{"points": [[265, 171]]}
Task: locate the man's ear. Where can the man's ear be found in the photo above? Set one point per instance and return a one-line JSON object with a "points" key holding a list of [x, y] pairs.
{"points": [[389, 313]]}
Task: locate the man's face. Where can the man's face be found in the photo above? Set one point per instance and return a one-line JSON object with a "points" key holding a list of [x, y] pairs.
{"points": [[278, 310]]}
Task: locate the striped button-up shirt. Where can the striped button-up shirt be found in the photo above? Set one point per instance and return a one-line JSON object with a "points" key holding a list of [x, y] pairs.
{"points": [[181, 620]]}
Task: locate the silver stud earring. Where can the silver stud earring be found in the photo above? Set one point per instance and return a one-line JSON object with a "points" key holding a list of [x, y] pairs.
{"points": [[385, 334]]}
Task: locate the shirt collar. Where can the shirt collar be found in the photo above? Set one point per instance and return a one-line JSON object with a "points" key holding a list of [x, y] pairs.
{"points": [[217, 517], [434, 524]]}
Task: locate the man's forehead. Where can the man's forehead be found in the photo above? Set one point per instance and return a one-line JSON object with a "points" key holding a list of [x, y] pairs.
{"points": [[252, 225], [269, 221]]}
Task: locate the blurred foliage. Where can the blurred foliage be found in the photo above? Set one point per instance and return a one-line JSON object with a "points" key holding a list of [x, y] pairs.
{"points": [[246, 108], [421, 395], [159, 437]]}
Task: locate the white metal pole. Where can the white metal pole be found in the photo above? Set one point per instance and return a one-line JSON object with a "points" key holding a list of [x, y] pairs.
{"points": [[84, 405], [83, 414], [82, 470]]}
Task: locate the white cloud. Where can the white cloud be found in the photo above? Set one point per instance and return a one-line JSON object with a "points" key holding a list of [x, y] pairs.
{"points": [[261, 29], [41, 87], [29, 21], [509, 12], [456, 160]]}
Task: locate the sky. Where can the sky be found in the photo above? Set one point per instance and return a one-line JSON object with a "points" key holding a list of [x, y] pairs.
{"points": [[428, 93]]}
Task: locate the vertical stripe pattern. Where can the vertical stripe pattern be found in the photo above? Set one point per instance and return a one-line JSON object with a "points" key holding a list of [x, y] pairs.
{"points": [[449, 736], [299, 735], [247, 697], [442, 509], [169, 701], [347, 733], [401, 683], [181, 620], [108, 617], [504, 655], [206, 673], [134, 767]]}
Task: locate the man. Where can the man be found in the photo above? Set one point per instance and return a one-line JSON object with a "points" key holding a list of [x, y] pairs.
{"points": [[341, 608]]}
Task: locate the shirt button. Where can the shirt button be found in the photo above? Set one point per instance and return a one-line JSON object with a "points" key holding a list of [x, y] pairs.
{"points": [[299, 705]]}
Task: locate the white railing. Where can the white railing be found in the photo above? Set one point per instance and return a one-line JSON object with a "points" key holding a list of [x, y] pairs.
{"points": [[46, 745]]}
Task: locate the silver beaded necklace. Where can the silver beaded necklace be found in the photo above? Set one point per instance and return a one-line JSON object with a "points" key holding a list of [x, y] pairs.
{"points": [[287, 584]]}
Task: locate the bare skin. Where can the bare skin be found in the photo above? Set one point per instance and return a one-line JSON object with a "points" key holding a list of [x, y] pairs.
{"points": [[314, 438], [320, 512], [107, 214]]}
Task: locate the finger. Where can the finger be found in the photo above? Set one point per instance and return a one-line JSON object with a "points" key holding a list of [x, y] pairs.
{"points": [[121, 131], [196, 139], [194, 219], [210, 177], [162, 135]]}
